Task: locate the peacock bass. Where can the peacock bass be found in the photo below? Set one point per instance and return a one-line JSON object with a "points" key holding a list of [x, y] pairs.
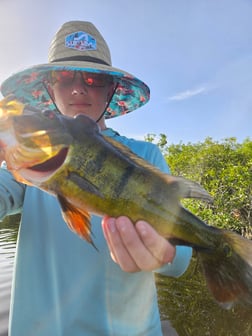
{"points": [[91, 173]]}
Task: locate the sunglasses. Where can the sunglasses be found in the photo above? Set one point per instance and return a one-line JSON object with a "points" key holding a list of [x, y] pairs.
{"points": [[66, 78]]}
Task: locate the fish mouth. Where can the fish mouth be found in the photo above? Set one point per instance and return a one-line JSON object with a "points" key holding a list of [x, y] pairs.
{"points": [[53, 163], [41, 172]]}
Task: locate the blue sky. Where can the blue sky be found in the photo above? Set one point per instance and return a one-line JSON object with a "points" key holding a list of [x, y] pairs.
{"points": [[196, 56]]}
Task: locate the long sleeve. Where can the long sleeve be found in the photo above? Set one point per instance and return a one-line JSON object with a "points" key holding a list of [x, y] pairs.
{"points": [[11, 194]]}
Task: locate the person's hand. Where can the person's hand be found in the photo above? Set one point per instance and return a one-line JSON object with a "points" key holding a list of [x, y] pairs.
{"points": [[136, 247]]}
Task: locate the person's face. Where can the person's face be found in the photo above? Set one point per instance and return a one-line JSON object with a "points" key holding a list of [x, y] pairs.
{"points": [[81, 93]]}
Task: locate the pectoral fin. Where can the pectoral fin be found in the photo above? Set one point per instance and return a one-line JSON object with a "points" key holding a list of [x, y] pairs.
{"points": [[78, 220], [84, 184]]}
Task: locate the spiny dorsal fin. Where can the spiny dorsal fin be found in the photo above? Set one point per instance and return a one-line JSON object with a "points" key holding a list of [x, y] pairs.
{"points": [[134, 158]]}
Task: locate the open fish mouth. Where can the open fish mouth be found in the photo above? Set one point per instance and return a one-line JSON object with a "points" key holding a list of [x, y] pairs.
{"points": [[53, 163], [41, 172]]}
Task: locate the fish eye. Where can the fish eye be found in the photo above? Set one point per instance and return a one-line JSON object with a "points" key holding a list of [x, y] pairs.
{"points": [[49, 114]]}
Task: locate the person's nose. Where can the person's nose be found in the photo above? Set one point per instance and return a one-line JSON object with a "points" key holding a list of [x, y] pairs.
{"points": [[78, 85]]}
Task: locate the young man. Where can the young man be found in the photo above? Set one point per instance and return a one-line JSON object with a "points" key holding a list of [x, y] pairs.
{"points": [[62, 285]]}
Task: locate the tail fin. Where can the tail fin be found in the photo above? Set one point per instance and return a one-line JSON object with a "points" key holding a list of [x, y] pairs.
{"points": [[228, 270]]}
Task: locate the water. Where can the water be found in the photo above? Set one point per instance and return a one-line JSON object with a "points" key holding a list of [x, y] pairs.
{"points": [[8, 235], [191, 309], [5, 285], [185, 302]]}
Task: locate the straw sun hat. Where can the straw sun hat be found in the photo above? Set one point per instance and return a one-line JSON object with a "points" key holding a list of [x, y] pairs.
{"points": [[79, 46]]}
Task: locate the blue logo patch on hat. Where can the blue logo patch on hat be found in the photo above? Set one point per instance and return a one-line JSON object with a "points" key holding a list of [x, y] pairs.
{"points": [[80, 41]]}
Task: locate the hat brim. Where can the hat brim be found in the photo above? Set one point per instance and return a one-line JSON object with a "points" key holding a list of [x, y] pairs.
{"points": [[28, 86]]}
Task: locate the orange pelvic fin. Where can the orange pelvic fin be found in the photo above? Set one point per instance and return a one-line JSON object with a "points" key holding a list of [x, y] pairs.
{"points": [[78, 220]]}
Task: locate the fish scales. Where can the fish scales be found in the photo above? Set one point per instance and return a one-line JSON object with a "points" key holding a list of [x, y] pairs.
{"points": [[88, 172]]}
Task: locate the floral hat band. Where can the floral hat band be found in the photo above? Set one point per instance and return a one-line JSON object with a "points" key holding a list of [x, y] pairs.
{"points": [[77, 46]]}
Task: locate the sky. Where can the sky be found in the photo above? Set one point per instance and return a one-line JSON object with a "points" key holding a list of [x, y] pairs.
{"points": [[195, 55]]}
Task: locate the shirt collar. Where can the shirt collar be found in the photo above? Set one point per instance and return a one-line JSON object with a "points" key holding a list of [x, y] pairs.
{"points": [[109, 132]]}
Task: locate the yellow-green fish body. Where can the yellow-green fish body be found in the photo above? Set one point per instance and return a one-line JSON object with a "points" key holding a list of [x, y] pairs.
{"points": [[90, 173]]}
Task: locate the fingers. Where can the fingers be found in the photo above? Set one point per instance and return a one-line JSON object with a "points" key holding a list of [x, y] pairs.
{"points": [[159, 247], [113, 229], [136, 247]]}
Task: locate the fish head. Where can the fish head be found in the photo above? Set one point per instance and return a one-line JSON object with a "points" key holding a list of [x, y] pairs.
{"points": [[36, 144], [31, 140], [41, 132]]}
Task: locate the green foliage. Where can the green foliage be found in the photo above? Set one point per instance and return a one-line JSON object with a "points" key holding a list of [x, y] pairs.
{"points": [[224, 169], [161, 141]]}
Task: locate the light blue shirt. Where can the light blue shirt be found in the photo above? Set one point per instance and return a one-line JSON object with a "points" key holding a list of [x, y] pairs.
{"points": [[62, 286]]}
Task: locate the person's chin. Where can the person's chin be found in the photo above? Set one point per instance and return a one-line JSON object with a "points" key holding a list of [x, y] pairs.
{"points": [[79, 109]]}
